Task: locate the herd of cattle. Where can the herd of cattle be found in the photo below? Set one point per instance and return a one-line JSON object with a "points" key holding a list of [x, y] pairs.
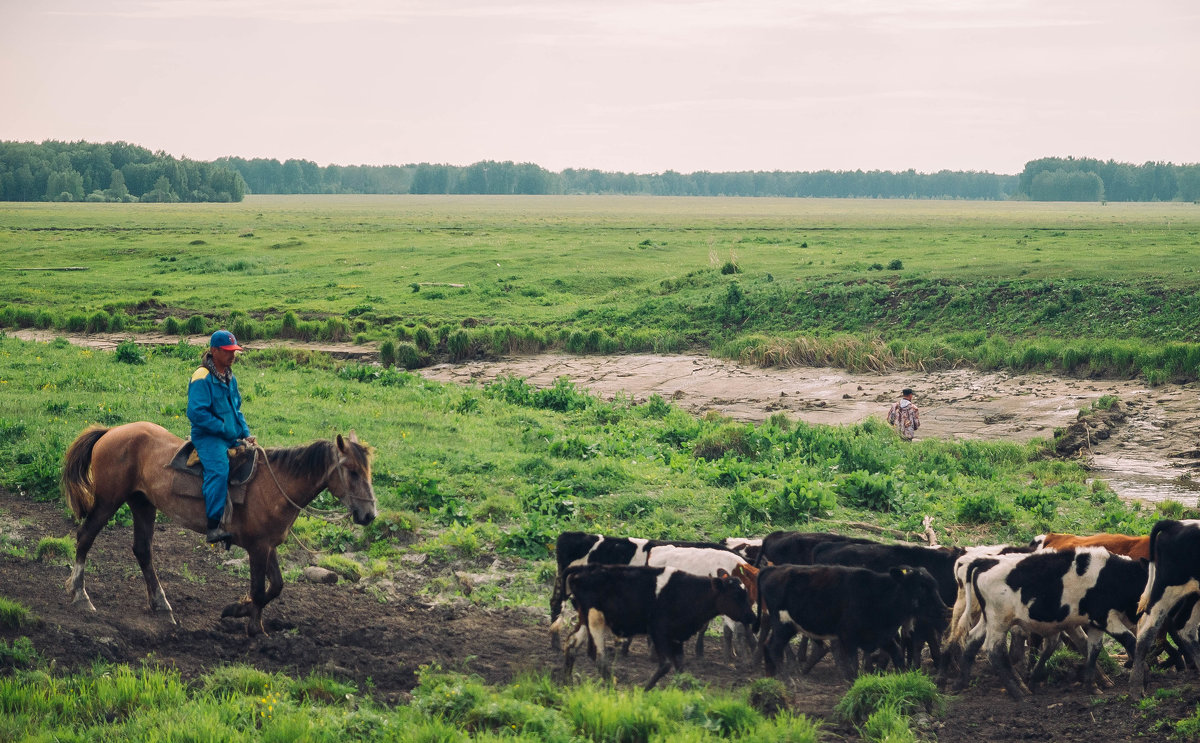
{"points": [[889, 602]]}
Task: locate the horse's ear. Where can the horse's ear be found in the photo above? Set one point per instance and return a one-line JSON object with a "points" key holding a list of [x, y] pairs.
{"points": [[341, 443], [353, 437]]}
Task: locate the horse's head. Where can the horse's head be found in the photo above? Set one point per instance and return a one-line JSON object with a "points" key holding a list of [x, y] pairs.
{"points": [[351, 480]]}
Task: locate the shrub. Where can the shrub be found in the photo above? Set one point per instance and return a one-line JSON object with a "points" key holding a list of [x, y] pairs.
{"points": [[196, 325], [865, 490], [98, 322], [128, 352], [738, 439], [76, 322], [14, 615], [342, 565], [767, 695], [387, 353], [54, 547], [983, 508], [458, 344], [408, 356], [423, 338], [895, 265], [171, 326], [907, 693]]}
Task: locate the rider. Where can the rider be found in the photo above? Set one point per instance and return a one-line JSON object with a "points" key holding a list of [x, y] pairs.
{"points": [[215, 410]]}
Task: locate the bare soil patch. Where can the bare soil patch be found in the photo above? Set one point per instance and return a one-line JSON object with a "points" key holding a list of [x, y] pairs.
{"points": [[378, 637]]}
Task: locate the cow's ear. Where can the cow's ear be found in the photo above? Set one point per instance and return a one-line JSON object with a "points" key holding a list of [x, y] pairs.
{"points": [[722, 573]]}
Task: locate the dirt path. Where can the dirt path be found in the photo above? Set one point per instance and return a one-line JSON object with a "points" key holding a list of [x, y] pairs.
{"points": [[379, 634], [1152, 456]]}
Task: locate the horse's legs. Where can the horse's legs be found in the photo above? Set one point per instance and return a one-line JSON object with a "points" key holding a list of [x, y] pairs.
{"points": [[143, 538], [252, 605], [274, 577], [101, 512]]}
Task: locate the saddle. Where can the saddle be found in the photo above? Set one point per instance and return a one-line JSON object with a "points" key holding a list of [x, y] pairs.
{"points": [[243, 464]]}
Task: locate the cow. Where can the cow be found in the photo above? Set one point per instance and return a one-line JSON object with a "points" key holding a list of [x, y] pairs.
{"points": [[1046, 593], [938, 561], [861, 609], [1174, 578], [960, 620], [749, 549], [666, 604], [709, 562], [579, 548], [796, 547], [1137, 548]]}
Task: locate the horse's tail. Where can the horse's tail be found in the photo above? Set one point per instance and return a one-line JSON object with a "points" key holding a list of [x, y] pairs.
{"points": [[76, 475]]}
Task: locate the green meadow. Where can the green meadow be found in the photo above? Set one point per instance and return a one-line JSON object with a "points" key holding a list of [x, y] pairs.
{"points": [[465, 473], [1104, 289]]}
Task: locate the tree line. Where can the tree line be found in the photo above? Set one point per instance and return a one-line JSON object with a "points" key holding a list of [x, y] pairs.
{"points": [[117, 171], [1088, 179], [113, 171]]}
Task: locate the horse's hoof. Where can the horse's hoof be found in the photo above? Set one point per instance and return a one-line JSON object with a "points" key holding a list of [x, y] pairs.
{"points": [[234, 610], [83, 602]]}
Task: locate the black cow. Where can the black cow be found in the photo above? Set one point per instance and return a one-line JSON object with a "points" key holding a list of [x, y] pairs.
{"points": [[666, 604], [938, 561], [574, 548], [796, 547], [1174, 578], [861, 609]]}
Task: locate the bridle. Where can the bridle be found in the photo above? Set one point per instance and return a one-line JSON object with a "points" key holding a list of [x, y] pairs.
{"points": [[322, 484]]}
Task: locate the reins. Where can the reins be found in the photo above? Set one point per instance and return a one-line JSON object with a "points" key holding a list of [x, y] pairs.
{"points": [[322, 484]]}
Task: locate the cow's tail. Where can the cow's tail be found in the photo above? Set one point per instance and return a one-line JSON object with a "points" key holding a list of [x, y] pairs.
{"points": [[76, 474], [1144, 600]]}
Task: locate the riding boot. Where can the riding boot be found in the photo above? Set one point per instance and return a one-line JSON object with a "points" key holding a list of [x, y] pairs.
{"points": [[217, 534]]}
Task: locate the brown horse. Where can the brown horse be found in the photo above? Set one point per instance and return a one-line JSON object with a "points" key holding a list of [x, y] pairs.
{"points": [[106, 467]]}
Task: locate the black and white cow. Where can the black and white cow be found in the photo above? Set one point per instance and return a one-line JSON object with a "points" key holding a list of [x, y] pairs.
{"points": [[573, 548], [707, 562], [748, 548], [1173, 581], [796, 547], [860, 609], [666, 604], [961, 621], [1047, 593]]}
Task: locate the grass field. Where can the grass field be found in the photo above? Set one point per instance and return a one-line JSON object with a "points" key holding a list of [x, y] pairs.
{"points": [[930, 282], [462, 472]]}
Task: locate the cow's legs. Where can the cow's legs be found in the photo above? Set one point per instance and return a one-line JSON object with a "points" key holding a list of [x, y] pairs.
{"points": [[778, 635], [1049, 645], [818, 650], [846, 659], [143, 537], [998, 655], [1149, 627]]}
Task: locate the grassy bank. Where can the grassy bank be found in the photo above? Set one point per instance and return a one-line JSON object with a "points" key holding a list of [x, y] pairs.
{"points": [[1082, 288]]}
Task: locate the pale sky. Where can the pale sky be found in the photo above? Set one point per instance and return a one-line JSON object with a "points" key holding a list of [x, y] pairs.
{"points": [[630, 85]]}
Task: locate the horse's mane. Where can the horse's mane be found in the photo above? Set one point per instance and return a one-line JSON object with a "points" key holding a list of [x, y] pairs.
{"points": [[312, 460]]}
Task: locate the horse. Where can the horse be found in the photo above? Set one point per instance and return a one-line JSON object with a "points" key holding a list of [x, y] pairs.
{"points": [[106, 467]]}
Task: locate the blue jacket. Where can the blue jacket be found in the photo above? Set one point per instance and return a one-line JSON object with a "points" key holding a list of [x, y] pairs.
{"points": [[215, 408]]}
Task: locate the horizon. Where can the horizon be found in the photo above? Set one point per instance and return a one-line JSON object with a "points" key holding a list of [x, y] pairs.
{"points": [[617, 86]]}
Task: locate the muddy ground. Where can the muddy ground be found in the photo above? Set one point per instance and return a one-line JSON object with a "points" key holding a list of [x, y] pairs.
{"points": [[347, 631]]}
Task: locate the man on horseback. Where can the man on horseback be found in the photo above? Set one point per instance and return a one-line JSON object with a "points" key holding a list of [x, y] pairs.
{"points": [[215, 411]]}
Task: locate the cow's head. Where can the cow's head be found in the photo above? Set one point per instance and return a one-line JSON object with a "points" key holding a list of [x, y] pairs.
{"points": [[732, 599], [922, 592]]}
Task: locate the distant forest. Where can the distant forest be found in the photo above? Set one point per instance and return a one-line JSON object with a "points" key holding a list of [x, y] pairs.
{"points": [[114, 171], [81, 171]]}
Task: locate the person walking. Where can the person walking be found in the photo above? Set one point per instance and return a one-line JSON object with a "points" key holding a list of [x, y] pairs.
{"points": [[905, 416], [215, 411]]}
